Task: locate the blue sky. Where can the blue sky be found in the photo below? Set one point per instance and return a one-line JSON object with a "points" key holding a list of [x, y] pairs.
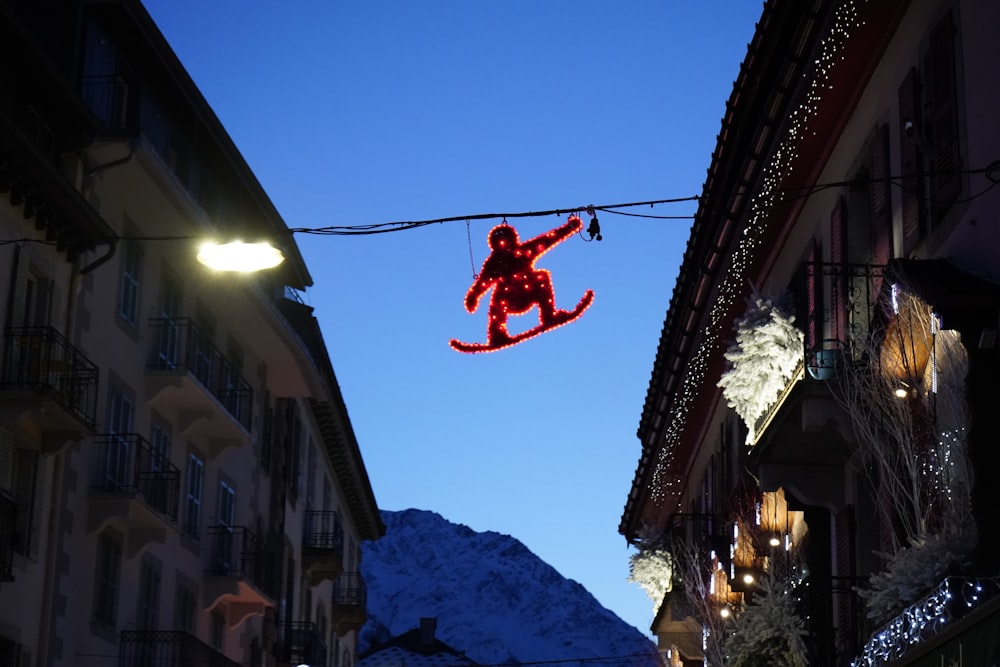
{"points": [[352, 112]]}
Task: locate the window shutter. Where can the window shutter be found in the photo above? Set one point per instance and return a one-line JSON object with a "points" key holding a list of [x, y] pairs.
{"points": [[6, 462], [814, 303], [838, 286], [942, 117], [879, 199], [910, 159], [846, 568]]}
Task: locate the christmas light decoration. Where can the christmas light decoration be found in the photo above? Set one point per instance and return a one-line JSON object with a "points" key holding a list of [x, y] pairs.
{"points": [[954, 598], [780, 166], [518, 286]]}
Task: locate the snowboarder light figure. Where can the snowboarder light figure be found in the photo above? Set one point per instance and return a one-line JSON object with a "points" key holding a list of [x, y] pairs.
{"points": [[519, 286]]}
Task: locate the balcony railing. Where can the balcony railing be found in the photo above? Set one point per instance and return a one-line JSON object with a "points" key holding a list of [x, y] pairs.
{"points": [[323, 532], [301, 644], [8, 527], [349, 599], [322, 546], [836, 305], [107, 97], [179, 345], [129, 466], [349, 590], [42, 360], [234, 551], [160, 648]]}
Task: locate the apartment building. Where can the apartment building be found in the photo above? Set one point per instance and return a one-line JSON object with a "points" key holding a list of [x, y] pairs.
{"points": [[817, 436], [179, 479]]}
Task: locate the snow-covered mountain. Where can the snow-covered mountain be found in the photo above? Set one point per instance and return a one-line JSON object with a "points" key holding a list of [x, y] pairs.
{"points": [[492, 597]]}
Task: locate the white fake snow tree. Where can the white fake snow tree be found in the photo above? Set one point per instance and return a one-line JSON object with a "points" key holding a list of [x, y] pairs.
{"points": [[652, 568], [769, 631], [767, 350]]}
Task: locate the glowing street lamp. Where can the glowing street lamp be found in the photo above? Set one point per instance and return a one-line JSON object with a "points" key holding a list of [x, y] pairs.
{"points": [[240, 257]]}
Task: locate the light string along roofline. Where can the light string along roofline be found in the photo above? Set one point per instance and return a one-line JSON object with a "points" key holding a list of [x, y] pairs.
{"points": [[991, 172]]}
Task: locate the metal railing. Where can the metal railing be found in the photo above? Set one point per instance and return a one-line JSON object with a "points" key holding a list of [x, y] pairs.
{"points": [[8, 528], [234, 551], [179, 344], [836, 304], [168, 648], [41, 359], [129, 466], [301, 644], [107, 97], [835, 307], [323, 531], [349, 590]]}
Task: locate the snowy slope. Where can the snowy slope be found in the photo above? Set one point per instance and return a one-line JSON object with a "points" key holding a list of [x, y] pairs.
{"points": [[493, 598]]}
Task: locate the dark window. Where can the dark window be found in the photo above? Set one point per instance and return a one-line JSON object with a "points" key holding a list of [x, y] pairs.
{"points": [[129, 283], [185, 608], [107, 580], [194, 476], [147, 615]]}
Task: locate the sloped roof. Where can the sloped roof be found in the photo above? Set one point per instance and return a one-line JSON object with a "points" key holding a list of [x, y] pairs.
{"points": [[411, 650]]}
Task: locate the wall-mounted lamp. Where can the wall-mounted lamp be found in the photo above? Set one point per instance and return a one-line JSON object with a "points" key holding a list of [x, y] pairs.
{"points": [[239, 256]]}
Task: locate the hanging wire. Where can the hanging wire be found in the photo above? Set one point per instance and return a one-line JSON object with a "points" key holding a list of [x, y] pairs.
{"points": [[472, 260]]}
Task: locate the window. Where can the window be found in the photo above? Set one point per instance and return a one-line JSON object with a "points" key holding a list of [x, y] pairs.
{"points": [[117, 468], [194, 475], [218, 628], [225, 557], [168, 349], [37, 300], [293, 455], [159, 445], [128, 292], [18, 470], [149, 597], [930, 136], [185, 607], [106, 580], [310, 473]]}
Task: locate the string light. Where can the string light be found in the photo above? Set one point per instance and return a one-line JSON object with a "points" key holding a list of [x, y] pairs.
{"points": [[518, 286], [751, 236], [954, 598]]}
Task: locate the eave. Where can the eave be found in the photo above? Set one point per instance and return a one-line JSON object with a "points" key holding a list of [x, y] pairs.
{"points": [[775, 75], [142, 41]]}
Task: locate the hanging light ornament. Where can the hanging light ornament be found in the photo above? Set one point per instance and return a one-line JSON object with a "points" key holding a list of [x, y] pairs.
{"points": [[518, 286]]}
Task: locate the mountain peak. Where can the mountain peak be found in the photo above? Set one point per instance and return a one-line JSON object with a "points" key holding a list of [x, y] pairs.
{"points": [[492, 597]]}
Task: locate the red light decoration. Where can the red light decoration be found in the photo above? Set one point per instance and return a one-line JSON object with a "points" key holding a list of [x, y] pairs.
{"points": [[518, 286]]}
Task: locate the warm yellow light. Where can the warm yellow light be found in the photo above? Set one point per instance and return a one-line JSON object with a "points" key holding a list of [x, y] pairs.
{"points": [[748, 578], [902, 392], [775, 542], [239, 256], [724, 612]]}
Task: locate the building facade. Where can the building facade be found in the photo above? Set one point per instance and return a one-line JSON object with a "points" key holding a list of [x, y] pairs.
{"points": [[817, 435], [179, 479]]}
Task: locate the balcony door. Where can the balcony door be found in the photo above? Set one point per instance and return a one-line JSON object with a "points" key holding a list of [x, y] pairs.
{"points": [[168, 345], [118, 454], [226, 559]]}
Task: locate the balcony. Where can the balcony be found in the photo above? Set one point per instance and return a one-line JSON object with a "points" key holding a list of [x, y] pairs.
{"points": [[301, 644], [322, 546], [239, 573], [136, 486], [189, 379], [48, 388], [8, 527], [349, 599], [804, 438], [168, 648]]}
